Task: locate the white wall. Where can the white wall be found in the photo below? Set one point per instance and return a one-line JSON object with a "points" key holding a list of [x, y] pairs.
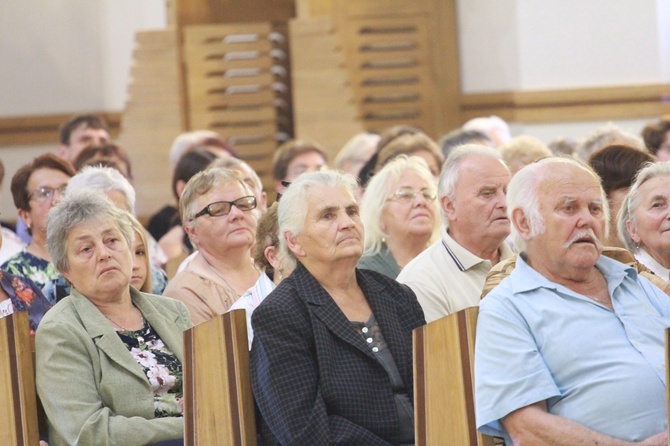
{"points": [[560, 44], [65, 56]]}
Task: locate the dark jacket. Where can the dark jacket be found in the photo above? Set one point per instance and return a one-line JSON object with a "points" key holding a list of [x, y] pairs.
{"points": [[314, 378]]}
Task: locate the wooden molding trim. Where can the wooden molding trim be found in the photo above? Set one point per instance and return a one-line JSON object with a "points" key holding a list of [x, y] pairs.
{"points": [[44, 129], [581, 104]]}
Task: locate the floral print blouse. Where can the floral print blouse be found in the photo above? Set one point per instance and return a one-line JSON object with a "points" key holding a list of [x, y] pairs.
{"points": [[41, 272], [23, 296], [162, 368]]}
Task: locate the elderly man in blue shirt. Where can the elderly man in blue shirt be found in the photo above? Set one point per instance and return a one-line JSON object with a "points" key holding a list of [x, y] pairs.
{"points": [[570, 347]]}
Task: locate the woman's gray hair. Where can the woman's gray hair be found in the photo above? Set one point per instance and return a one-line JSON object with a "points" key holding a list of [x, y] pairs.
{"points": [[293, 210], [203, 182], [633, 200], [449, 174], [78, 207], [522, 193], [105, 180], [385, 183]]}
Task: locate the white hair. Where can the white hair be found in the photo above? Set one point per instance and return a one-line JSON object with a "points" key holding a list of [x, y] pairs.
{"points": [[489, 125], [522, 193], [633, 200], [186, 140], [105, 180], [359, 148]]}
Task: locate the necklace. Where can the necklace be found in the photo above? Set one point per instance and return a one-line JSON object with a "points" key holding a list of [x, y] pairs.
{"points": [[220, 276], [121, 326]]}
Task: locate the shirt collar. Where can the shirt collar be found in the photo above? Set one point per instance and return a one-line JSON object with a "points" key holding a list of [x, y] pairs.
{"points": [[525, 278], [465, 259], [647, 260]]}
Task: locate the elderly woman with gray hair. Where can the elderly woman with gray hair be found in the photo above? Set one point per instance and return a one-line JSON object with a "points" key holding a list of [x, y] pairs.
{"points": [[331, 360], [108, 357], [400, 214], [118, 189], [644, 219]]}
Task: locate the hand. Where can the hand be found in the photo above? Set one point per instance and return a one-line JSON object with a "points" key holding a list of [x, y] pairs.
{"points": [[656, 440]]}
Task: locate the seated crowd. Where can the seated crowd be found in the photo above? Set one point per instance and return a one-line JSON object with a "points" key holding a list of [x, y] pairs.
{"points": [[338, 267]]}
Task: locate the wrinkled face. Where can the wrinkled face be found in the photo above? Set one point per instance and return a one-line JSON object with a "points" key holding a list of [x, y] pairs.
{"points": [[572, 208], [333, 228], [234, 230], [479, 207], [652, 218], [100, 261], [140, 262], [404, 215], [82, 137], [44, 189]]}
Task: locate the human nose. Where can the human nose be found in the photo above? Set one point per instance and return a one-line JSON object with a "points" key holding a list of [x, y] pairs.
{"points": [[103, 252]]}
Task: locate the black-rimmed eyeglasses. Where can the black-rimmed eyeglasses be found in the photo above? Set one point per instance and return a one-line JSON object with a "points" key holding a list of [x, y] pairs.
{"points": [[221, 208]]}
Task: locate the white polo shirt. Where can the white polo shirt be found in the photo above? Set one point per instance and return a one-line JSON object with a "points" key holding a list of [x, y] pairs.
{"points": [[447, 278]]}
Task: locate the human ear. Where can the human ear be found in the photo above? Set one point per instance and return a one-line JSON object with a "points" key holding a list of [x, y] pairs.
{"points": [[632, 231], [521, 224], [293, 243]]}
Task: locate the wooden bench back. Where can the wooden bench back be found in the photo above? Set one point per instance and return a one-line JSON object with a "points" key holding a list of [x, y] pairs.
{"points": [[219, 405], [18, 400], [444, 381]]}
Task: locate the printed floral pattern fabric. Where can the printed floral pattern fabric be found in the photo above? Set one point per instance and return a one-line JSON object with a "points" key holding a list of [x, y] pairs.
{"points": [[24, 295], [41, 272], [162, 368]]}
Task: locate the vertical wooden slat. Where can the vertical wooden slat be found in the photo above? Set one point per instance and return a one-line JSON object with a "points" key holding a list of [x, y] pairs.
{"points": [[18, 417], [219, 407]]}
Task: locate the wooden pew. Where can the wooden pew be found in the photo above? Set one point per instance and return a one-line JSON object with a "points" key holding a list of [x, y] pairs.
{"points": [[444, 382], [18, 400], [219, 406]]}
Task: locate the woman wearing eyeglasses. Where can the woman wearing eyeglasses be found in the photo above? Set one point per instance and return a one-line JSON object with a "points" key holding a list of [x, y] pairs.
{"points": [[218, 211], [399, 211], [36, 188]]}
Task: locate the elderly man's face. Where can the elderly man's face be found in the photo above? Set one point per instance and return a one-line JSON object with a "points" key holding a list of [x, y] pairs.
{"points": [[100, 261], [333, 228], [574, 220], [479, 209]]}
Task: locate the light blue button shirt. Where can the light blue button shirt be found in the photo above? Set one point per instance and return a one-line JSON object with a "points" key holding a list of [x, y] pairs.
{"points": [[538, 340]]}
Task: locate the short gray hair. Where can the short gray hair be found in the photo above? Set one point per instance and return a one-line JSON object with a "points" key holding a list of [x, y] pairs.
{"points": [[634, 199], [522, 193], [380, 187], [203, 182], [105, 180], [293, 210], [450, 169], [79, 207]]}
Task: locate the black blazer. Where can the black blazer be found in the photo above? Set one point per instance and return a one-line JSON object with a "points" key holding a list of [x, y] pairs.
{"points": [[314, 378]]}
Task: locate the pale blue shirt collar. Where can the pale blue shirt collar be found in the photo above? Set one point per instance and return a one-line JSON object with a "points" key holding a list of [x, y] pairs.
{"points": [[525, 278]]}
